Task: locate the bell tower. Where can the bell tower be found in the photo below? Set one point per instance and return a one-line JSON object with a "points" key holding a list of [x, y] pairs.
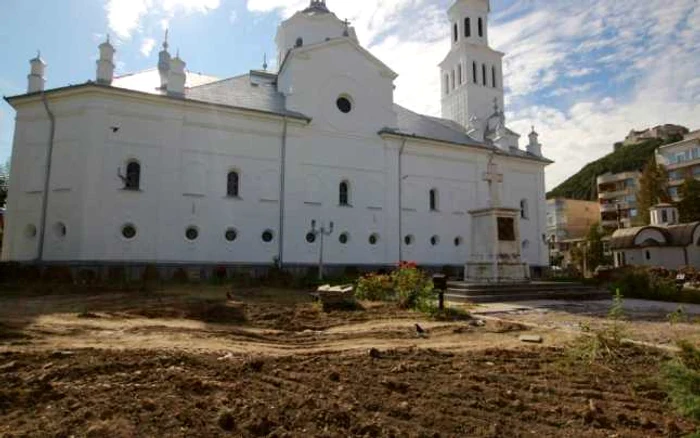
{"points": [[471, 73]]}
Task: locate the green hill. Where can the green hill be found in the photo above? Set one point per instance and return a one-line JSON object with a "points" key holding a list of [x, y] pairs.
{"points": [[627, 158]]}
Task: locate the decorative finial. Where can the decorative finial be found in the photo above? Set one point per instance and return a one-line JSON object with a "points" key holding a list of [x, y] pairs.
{"points": [[346, 31], [38, 54], [107, 38], [177, 53], [265, 61], [165, 42]]}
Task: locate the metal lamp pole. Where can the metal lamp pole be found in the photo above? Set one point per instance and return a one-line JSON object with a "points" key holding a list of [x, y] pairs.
{"points": [[321, 232]]}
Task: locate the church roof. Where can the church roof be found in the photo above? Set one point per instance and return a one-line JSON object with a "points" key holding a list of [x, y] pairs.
{"points": [[674, 235], [255, 91], [412, 124], [430, 128], [148, 81]]}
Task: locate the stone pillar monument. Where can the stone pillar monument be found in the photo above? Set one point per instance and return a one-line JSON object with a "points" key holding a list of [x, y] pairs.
{"points": [[496, 254]]}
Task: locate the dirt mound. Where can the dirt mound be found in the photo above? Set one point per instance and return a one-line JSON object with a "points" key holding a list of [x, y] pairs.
{"points": [[411, 393], [212, 311]]}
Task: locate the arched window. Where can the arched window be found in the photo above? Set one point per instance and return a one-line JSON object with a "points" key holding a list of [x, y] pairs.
{"points": [[133, 176], [481, 27], [475, 77], [493, 76], [453, 80], [459, 74], [483, 74], [447, 84], [456, 32], [344, 193], [232, 184], [467, 27], [524, 214], [433, 200], [648, 255], [299, 42]]}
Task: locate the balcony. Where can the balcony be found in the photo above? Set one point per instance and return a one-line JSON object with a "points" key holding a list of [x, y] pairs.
{"points": [[617, 193], [603, 179], [612, 208]]}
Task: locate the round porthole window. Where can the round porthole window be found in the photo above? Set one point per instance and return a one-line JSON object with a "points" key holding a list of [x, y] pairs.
{"points": [[30, 231], [373, 239], [231, 235], [191, 233], [267, 236], [310, 237], [344, 104], [458, 241], [129, 231], [408, 240], [60, 229], [434, 240], [344, 238]]}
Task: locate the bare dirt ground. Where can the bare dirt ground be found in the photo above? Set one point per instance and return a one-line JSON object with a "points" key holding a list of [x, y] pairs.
{"points": [[189, 362]]}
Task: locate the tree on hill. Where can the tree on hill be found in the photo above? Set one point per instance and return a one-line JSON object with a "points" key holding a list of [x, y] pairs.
{"points": [[626, 158], [595, 255], [689, 206], [653, 189]]}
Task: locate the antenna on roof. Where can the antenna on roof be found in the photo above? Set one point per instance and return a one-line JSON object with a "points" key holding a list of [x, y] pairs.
{"points": [[265, 61]]}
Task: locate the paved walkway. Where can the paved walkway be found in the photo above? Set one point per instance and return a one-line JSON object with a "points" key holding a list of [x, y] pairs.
{"points": [[629, 304]]}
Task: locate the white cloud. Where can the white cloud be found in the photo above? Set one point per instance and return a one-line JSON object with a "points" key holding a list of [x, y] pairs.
{"points": [[147, 46], [125, 16]]}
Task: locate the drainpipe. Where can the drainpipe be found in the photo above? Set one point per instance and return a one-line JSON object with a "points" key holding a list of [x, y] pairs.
{"points": [[283, 165], [47, 177], [400, 181]]}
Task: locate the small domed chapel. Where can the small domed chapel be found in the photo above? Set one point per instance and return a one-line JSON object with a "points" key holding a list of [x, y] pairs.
{"points": [[168, 166]]}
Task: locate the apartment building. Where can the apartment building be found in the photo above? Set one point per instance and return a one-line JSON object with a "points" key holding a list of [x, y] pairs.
{"points": [[568, 223], [682, 161], [617, 196]]}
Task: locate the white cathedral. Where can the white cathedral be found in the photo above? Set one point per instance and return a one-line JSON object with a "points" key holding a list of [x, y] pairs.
{"points": [[167, 166]]}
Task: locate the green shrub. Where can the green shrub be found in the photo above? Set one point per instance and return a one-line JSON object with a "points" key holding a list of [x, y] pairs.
{"points": [[653, 284], [414, 287], [375, 287], [682, 376]]}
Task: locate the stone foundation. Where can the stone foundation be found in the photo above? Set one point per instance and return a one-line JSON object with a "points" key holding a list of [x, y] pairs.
{"points": [[506, 273]]}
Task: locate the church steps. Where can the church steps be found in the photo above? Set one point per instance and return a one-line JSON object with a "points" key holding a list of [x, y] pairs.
{"points": [[484, 293]]}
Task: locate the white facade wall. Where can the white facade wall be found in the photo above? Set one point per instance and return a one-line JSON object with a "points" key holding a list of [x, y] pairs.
{"points": [[186, 152]]}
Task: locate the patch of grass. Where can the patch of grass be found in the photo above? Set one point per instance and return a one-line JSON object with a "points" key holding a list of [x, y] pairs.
{"points": [[678, 316], [682, 378], [604, 345]]}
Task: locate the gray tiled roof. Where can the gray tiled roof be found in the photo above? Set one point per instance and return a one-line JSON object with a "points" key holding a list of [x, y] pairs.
{"points": [[418, 125], [257, 92]]}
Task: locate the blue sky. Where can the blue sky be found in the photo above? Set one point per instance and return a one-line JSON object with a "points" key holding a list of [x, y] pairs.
{"points": [[583, 72]]}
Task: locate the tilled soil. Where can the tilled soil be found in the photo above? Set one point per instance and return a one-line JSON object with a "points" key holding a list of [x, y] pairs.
{"points": [[539, 392]]}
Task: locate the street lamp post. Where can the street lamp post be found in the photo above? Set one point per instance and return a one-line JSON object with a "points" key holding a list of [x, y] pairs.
{"points": [[321, 232]]}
